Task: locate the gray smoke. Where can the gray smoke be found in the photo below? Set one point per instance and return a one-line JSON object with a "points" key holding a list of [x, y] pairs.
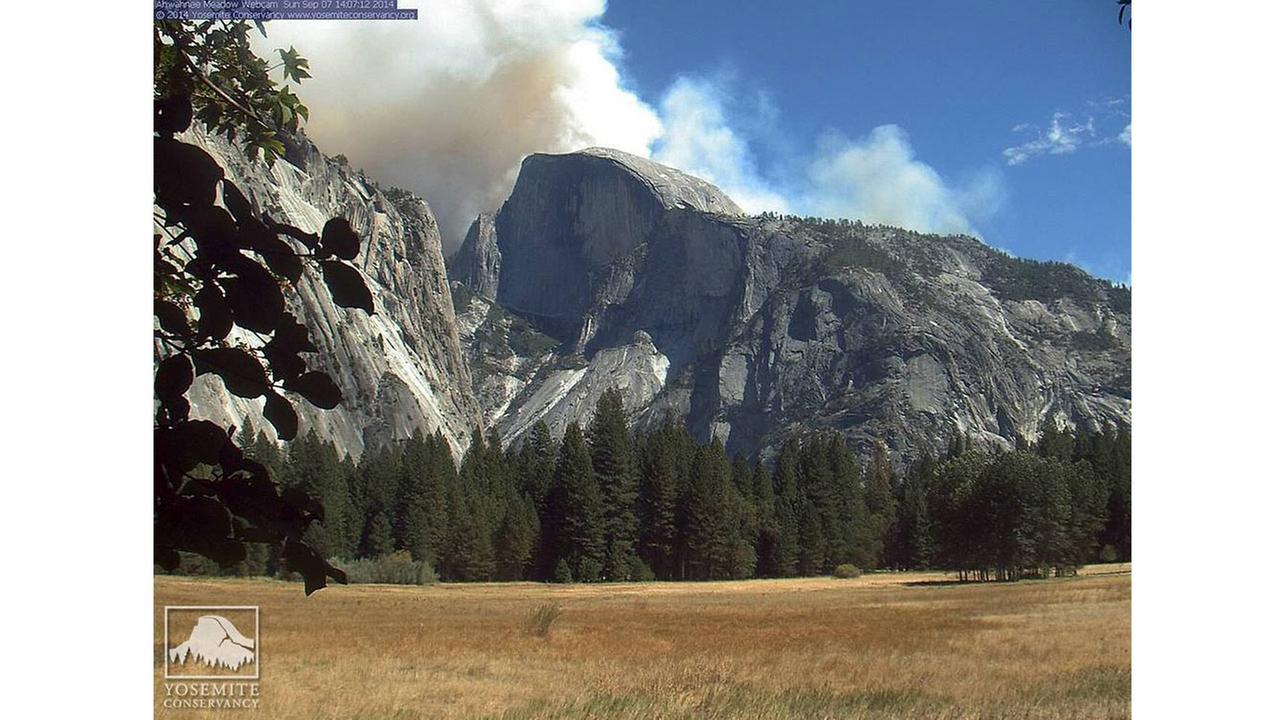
{"points": [[449, 105]]}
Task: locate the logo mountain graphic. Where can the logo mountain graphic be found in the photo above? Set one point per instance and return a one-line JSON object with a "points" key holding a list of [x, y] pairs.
{"points": [[216, 642]]}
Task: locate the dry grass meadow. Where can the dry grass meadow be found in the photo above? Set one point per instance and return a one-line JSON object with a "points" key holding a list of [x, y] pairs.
{"points": [[881, 646]]}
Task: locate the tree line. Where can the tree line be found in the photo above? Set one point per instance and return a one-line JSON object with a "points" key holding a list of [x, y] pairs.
{"points": [[606, 504]]}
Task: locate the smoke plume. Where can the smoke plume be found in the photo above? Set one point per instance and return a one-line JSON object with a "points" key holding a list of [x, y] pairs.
{"points": [[449, 105]]}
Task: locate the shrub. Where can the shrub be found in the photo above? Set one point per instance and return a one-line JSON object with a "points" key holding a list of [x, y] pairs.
{"points": [[562, 573], [590, 570], [1108, 554], [539, 621], [847, 571], [639, 571], [398, 568]]}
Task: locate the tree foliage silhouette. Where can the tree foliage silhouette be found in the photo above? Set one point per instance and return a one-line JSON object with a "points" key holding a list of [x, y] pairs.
{"points": [[219, 308]]}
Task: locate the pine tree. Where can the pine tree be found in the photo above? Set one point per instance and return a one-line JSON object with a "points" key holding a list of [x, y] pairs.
{"points": [[880, 498], [767, 522], [613, 463], [516, 536], [537, 463], [246, 437], [746, 518], [469, 554], [349, 473], [577, 512], [787, 507], [478, 475], [378, 540], [822, 495], [812, 542], [911, 540], [659, 532], [441, 475], [1055, 443], [851, 512], [711, 526], [410, 526], [314, 468], [683, 449], [267, 452], [379, 474], [260, 558]]}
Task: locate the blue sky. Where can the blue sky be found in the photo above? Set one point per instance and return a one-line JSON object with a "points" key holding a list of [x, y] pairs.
{"points": [[998, 118], [956, 78]]}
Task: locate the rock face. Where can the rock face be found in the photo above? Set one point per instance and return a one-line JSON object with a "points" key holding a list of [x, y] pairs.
{"points": [[401, 369], [606, 270], [478, 262], [568, 233], [755, 328]]}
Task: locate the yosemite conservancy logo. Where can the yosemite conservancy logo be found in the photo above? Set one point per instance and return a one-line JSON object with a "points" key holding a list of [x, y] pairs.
{"points": [[211, 643]]}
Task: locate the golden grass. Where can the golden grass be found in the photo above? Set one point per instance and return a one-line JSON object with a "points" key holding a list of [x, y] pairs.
{"points": [[881, 646]]}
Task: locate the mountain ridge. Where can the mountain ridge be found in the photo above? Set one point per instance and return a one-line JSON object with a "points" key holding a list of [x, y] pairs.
{"points": [[603, 270], [401, 370], [772, 325]]}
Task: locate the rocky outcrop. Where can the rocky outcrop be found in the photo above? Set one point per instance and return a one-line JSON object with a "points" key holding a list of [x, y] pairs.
{"points": [[400, 370], [768, 326], [571, 219], [605, 270], [478, 262]]}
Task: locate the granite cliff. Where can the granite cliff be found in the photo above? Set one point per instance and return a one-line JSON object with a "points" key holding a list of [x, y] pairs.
{"points": [[401, 369], [607, 270], [603, 269]]}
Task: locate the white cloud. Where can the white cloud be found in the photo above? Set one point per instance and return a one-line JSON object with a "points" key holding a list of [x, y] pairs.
{"points": [[449, 105], [878, 179], [1126, 135], [697, 139], [1061, 138], [1065, 134]]}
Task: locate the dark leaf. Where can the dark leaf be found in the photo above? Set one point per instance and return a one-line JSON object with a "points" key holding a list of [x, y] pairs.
{"points": [[171, 318], [190, 443], [198, 524], [279, 412], [313, 568], [231, 457], [184, 174], [173, 376], [167, 558], [318, 388], [285, 364], [215, 316], [346, 286], [175, 408], [292, 335], [173, 114], [284, 262], [240, 372], [255, 298], [339, 239], [307, 507], [256, 497], [237, 203], [277, 253], [310, 240], [213, 228]]}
